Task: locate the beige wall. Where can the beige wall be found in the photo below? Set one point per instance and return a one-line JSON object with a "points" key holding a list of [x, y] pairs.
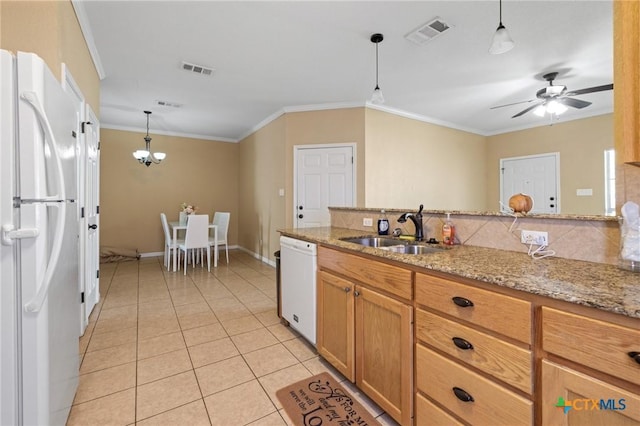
{"points": [[325, 127], [51, 30], [581, 144], [266, 166], [132, 196], [262, 174], [410, 162]]}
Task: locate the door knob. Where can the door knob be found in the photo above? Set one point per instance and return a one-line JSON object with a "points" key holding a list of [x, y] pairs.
{"points": [[347, 289], [300, 216], [299, 207], [94, 226]]}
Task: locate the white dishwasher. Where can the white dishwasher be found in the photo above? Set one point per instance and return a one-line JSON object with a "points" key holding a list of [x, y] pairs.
{"points": [[298, 265]]}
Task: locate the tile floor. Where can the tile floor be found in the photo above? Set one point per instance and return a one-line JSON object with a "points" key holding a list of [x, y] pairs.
{"points": [[203, 349]]}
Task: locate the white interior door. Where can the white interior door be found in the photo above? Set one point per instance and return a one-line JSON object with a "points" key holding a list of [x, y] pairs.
{"points": [[324, 176], [71, 87], [92, 212], [534, 175]]}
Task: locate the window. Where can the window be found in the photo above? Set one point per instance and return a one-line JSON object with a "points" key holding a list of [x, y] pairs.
{"points": [[609, 182]]}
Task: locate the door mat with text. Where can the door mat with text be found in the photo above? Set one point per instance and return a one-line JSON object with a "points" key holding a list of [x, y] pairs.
{"points": [[321, 400]]}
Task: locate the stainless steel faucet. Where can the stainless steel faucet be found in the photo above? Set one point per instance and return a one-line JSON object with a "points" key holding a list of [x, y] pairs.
{"points": [[416, 218]]}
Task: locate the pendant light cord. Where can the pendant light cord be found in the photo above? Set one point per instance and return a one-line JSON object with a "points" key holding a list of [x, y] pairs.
{"points": [[376, 66]]}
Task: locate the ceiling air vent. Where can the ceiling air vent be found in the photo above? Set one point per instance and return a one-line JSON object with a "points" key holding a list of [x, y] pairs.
{"points": [[198, 69], [168, 104], [428, 31]]}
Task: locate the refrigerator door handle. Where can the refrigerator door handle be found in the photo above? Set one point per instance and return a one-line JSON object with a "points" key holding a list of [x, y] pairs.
{"points": [[35, 304], [32, 99], [9, 234]]}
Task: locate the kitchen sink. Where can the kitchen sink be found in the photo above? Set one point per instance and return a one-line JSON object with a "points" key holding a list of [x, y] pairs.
{"points": [[420, 249], [374, 241], [394, 245]]}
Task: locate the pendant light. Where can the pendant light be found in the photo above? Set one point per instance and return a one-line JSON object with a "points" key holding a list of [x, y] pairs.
{"points": [[502, 41], [144, 156], [376, 97]]}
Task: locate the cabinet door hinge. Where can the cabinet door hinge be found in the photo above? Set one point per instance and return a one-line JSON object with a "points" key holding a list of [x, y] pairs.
{"points": [[82, 297]]}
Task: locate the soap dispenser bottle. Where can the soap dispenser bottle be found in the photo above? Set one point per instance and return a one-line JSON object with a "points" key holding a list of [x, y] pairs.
{"points": [[383, 224], [448, 231]]}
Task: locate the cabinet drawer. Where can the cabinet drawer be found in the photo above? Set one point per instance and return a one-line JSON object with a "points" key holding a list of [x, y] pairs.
{"points": [[503, 314], [502, 360], [427, 413], [601, 345], [380, 275], [492, 404]]}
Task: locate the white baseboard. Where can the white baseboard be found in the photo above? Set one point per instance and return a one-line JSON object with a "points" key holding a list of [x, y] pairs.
{"points": [[152, 254], [255, 255]]}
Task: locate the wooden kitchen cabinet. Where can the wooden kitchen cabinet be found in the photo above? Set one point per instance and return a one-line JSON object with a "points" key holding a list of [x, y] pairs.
{"points": [[384, 352], [601, 349], [367, 333], [626, 31], [562, 386], [600, 345], [335, 323], [474, 352]]}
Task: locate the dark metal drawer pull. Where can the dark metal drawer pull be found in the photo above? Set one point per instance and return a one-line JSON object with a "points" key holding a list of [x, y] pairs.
{"points": [[462, 395], [461, 343], [462, 302], [635, 356]]}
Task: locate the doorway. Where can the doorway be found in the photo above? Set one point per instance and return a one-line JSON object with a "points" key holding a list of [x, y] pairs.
{"points": [[535, 175], [88, 172], [324, 175]]}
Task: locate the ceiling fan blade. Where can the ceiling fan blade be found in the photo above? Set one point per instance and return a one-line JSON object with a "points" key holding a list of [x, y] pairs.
{"points": [[514, 103], [524, 111], [576, 103], [590, 90]]}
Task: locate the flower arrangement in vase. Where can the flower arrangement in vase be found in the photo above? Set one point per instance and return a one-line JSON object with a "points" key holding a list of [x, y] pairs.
{"points": [[185, 210]]}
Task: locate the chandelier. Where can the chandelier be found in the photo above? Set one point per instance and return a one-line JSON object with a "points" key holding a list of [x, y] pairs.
{"points": [[144, 156]]}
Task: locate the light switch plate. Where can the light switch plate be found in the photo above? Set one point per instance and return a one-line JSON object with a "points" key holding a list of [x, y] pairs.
{"points": [[367, 221]]}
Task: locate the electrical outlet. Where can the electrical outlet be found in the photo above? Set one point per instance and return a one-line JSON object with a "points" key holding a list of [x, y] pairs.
{"points": [[539, 238], [367, 221]]}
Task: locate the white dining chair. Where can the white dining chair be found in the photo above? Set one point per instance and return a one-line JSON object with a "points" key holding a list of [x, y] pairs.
{"points": [[221, 219], [169, 245], [196, 237]]}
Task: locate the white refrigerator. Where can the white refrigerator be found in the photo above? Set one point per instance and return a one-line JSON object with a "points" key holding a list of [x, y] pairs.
{"points": [[39, 292]]}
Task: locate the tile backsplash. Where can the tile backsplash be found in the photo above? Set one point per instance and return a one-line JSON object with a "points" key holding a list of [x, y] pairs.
{"points": [[592, 239]]}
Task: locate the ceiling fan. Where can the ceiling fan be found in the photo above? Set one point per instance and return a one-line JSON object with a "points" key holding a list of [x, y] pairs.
{"points": [[558, 94]]}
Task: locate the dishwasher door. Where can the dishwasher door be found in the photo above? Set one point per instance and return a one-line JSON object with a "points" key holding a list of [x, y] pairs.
{"points": [[298, 266]]}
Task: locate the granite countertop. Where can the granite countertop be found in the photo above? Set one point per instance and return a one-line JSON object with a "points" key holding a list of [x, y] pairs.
{"points": [[596, 285]]}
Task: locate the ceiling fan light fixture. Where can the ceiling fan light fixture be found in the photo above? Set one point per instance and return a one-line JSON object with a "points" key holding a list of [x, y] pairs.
{"points": [[540, 111], [376, 96], [556, 108], [502, 41]]}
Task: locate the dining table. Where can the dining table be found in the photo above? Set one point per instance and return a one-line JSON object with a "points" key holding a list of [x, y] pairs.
{"points": [[178, 226]]}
